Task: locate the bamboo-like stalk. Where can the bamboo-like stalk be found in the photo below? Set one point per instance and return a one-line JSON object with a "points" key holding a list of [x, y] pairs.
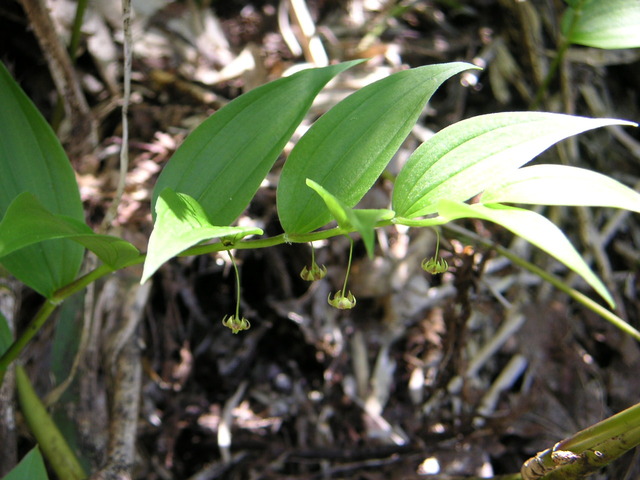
{"points": [[589, 450]]}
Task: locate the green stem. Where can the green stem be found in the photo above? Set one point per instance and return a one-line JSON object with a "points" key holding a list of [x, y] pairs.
{"points": [[346, 276], [573, 293], [44, 313], [81, 283], [76, 32], [556, 282], [235, 267], [59, 296], [269, 242], [420, 222], [34, 327], [596, 446], [557, 60], [53, 444], [626, 421]]}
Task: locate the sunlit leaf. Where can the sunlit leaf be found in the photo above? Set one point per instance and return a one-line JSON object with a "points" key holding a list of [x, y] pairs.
{"points": [[469, 156], [223, 162], [534, 228], [28, 222], [347, 149], [32, 160], [562, 185], [181, 222], [603, 23]]}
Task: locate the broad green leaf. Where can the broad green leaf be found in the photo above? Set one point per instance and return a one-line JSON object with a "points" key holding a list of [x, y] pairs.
{"points": [[603, 23], [32, 160], [28, 222], [534, 228], [361, 220], [181, 222], [347, 149], [562, 185], [30, 467], [465, 158], [222, 162]]}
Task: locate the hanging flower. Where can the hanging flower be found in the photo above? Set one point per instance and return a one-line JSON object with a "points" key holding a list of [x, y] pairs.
{"points": [[341, 301], [316, 272], [235, 323], [435, 266]]}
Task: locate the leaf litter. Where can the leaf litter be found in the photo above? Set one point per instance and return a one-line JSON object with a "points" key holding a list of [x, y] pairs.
{"points": [[466, 373]]}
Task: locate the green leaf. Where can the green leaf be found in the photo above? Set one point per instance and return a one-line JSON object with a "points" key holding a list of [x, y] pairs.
{"points": [[28, 222], [562, 185], [347, 149], [603, 23], [361, 220], [534, 228], [222, 162], [181, 222], [465, 158], [31, 467], [32, 160]]}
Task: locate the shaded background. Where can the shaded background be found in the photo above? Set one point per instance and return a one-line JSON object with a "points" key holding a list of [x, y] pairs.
{"points": [[468, 373]]}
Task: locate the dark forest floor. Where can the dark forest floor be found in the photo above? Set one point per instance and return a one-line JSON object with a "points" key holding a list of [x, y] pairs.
{"points": [[398, 387]]}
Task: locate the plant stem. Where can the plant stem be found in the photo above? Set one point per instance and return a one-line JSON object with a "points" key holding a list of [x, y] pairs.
{"points": [[556, 282], [268, 242], [112, 211], [596, 446], [34, 327], [565, 43], [79, 284], [235, 267], [346, 275], [622, 422], [44, 313], [76, 31], [53, 444]]}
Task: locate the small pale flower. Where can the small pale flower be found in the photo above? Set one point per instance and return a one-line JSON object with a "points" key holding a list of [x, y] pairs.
{"points": [[342, 302], [434, 266], [235, 323], [316, 272]]}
